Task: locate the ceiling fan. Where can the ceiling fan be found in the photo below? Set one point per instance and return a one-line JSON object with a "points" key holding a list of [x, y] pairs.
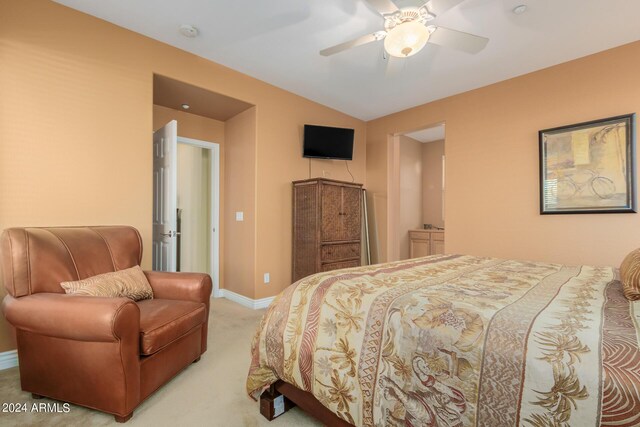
{"points": [[407, 30]]}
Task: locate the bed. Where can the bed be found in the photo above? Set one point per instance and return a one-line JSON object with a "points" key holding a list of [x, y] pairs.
{"points": [[455, 340]]}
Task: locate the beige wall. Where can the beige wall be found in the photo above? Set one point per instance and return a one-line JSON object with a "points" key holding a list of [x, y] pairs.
{"points": [[190, 125], [76, 120], [278, 164], [432, 153], [240, 196], [393, 199], [491, 149], [411, 192], [377, 196]]}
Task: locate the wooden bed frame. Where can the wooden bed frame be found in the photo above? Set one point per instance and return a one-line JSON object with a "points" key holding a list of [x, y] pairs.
{"points": [[296, 397]]}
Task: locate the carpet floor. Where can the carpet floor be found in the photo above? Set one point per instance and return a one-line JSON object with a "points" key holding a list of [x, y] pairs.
{"points": [[208, 393]]}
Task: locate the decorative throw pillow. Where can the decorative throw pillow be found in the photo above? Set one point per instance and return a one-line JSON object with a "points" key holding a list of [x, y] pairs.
{"points": [[129, 283], [630, 275]]}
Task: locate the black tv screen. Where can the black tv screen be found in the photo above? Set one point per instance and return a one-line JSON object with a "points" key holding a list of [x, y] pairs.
{"points": [[325, 142]]}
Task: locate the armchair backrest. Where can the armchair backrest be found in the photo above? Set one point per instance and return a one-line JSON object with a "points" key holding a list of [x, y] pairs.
{"points": [[37, 259]]}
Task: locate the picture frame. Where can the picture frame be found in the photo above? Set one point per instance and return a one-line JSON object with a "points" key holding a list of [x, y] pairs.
{"points": [[589, 167]]}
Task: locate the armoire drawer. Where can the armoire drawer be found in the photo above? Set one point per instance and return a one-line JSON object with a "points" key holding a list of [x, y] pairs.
{"points": [[339, 265], [339, 252]]}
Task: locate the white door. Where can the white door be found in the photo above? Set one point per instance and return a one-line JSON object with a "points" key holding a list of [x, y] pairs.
{"points": [[165, 195]]}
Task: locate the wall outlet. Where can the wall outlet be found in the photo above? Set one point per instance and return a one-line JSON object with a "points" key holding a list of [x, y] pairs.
{"points": [[239, 216], [267, 278]]}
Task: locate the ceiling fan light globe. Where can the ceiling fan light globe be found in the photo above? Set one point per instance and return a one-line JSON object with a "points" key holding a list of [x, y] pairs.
{"points": [[406, 39]]}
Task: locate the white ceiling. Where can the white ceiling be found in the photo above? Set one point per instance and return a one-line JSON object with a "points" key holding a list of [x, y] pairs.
{"points": [[278, 41], [431, 134]]}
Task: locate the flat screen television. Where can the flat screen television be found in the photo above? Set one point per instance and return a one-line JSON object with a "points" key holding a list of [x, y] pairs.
{"points": [[323, 142]]}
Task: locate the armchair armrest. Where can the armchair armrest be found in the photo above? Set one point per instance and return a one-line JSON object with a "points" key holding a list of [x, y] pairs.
{"points": [[180, 286], [73, 317]]}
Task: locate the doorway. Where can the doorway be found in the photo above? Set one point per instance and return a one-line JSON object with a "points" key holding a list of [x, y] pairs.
{"points": [[215, 122], [418, 177], [197, 206], [186, 204]]}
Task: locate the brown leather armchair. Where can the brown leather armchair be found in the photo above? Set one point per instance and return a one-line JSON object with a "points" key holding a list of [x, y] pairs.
{"points": [[103, 353]]}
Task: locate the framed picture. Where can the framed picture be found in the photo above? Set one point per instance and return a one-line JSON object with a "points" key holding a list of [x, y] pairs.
{"points": [[588, 167]]}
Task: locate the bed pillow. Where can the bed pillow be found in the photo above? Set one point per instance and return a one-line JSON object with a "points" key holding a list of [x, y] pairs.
{"points": [[630, 275], [129, 283]]}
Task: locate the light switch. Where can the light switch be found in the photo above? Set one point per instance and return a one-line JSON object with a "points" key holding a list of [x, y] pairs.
{"points": [[239, 216]]}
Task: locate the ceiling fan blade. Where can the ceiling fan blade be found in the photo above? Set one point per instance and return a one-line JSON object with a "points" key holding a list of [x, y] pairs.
{"points": [[438, 7], [384, 7], [458, 40], [353, 43]]}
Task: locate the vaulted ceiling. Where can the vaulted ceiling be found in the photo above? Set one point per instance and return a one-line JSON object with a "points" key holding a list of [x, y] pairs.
{"points": [[278, 41]]}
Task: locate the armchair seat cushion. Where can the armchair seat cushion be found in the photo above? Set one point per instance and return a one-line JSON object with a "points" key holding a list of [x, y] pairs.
{"points": [[163, 321]]}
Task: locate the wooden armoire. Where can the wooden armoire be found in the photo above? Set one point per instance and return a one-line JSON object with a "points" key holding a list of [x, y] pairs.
{"points": [[327, 230]]}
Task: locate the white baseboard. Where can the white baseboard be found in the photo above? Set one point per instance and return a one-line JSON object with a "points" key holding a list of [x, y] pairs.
{"points": [[262, 302], [8, 359], [254, 304]]}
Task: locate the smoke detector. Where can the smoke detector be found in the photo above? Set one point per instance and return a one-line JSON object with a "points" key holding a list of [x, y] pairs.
{"points": [[519, 10], [188, 30]]}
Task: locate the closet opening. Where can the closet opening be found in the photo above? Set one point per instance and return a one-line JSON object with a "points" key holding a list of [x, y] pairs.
{"points": [[418, 170]]}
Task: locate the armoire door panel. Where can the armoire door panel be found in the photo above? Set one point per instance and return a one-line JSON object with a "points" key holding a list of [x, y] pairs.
{"points": [[332, 228], [351, 213]]}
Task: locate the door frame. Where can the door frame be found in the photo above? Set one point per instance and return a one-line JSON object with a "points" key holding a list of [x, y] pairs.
{"points": [[214, 231]]}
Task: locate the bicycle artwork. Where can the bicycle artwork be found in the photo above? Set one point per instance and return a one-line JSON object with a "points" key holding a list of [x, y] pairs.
{"points": [[600, 186], [588, 167]]}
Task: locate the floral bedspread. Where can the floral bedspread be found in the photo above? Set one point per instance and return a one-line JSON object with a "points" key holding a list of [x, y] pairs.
{"points": [[457, 340]]}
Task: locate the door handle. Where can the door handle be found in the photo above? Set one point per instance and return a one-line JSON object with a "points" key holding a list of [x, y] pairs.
{"points": [[170, 234]]}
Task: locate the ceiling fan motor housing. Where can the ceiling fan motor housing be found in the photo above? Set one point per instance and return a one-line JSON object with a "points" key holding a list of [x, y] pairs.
{"points": [[408, 14]]}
